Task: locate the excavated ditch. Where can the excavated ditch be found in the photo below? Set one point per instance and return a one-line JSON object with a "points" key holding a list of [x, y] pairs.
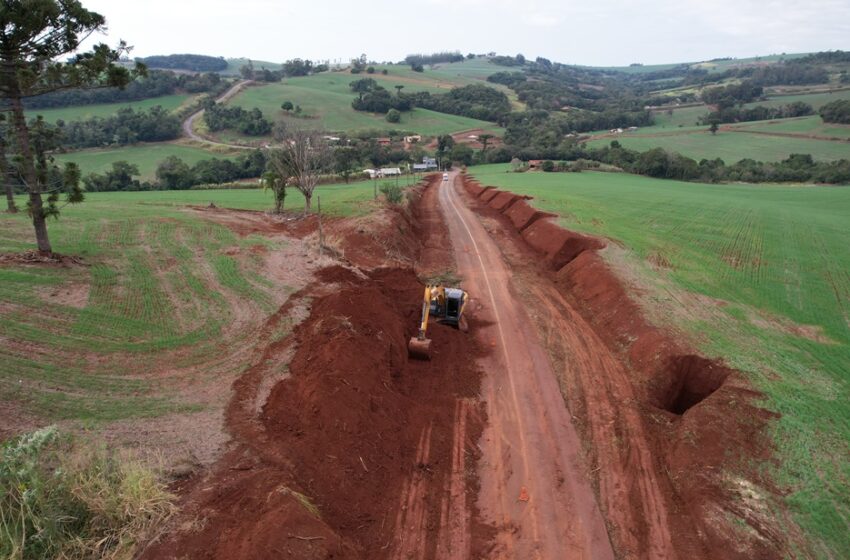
{"points": [[356, 451], [702, 418]]}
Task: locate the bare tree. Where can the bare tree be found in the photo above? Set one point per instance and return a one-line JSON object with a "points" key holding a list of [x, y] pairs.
{"points": [[303, 155]]}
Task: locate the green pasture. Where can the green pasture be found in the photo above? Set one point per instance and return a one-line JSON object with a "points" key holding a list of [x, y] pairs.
{"points": [[816, 100], [803, 126], [155, 289], [776, 252], [146, 156], [328, 105], [82, 112], [730, 146]]}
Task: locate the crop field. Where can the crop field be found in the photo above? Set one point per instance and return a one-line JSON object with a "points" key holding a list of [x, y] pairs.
{"points": [[326, 101], [774, 260], [157, 289], [82, 112], [146, 156]]}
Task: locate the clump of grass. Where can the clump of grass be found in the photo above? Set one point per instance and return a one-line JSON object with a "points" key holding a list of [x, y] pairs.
{"points": [[65, 498], [392, 193]]}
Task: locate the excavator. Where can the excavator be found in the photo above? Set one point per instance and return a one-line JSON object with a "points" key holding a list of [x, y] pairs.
{"points": [[445, 305]]}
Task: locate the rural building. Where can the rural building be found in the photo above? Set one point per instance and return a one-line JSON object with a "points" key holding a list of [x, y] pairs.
{"points": [[535, 163], [414, 139], [427, 164], [383, 141]]}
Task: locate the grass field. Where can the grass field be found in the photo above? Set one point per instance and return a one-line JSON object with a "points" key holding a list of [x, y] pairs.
{"points": [[81, 112], [146, 156], [84, 343], [677, 131], [730, 146], [777, 257], [802, 126], [326, 99]]}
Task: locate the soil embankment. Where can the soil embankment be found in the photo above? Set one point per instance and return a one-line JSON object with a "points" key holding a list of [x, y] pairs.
{"points": [[671, 437], [342, 447]]}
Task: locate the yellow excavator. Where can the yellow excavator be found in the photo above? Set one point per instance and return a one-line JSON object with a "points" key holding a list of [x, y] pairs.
{"points": [[445, 305]]}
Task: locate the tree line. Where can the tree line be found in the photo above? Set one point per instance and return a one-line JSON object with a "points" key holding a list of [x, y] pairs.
{"points": [[292, 68], [758, 113], [155, 83], [191, 62]]}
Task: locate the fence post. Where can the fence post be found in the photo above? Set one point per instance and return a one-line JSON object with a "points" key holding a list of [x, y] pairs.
{"points": [[321, 231]]}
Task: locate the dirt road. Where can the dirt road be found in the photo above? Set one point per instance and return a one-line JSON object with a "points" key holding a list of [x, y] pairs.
{"points": [[533, 484], [189, 123]]}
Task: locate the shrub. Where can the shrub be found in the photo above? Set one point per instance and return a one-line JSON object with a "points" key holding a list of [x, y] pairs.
{"points": [[836, 112], [392, 193], [64, 499], [548, 166], [393, 116]]}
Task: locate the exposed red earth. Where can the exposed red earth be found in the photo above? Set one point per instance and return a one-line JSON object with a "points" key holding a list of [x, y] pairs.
{"points": [[562, 425]]}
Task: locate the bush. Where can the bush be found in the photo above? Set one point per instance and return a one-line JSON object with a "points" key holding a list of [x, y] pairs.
{"points": [[836, 112], [62, 499], [548, 166], [393, 116], [392, 193]]}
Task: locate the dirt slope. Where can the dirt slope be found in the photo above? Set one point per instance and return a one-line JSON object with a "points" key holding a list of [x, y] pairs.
{"points": [[674, 438]]}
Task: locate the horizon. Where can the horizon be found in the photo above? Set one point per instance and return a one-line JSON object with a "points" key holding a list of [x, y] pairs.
{"points": [[534, 28]]}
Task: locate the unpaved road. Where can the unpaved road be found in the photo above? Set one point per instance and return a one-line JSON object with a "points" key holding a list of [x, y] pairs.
{"points": [[188, 124], [534, 489]]}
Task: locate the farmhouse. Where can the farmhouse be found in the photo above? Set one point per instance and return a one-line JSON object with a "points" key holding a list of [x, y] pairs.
{"points": [[413, 139], [535, 163], [383, 141]]}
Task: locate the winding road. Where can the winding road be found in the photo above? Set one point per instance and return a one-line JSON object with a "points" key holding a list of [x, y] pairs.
{"points": [[189, 123]]}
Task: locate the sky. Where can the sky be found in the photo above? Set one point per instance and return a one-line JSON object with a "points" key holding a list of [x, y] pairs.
{"points": [[598, 32]]}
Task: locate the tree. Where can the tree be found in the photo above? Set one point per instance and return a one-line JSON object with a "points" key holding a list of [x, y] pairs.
{"points": [[714, 127], [362, 86], [444, 144], [303, 155], [393, 116], [277, 183], [398, 89], [287, 106], [36, 39], [173, 173], [5, 169], [485, 139], [417, 67], [370, 70], [345, 161]]}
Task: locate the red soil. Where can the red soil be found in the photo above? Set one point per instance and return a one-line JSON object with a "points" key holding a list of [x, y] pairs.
{"points": [[674, 435], [383, 447]]}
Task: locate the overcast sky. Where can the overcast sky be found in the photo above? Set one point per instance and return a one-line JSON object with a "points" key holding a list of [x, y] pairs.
{"points": [[597, 32]]}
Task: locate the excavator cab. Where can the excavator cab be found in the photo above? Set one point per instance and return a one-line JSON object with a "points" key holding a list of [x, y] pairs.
{"points": [[445, 305]]}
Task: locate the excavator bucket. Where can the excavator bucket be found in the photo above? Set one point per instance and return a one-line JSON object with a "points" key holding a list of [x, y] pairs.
{"points": [[419, 348]]}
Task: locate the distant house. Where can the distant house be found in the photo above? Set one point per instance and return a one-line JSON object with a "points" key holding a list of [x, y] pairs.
{"points": [[427, 164], [383, 172], [383, 141], [413, 139], [535, 163]]}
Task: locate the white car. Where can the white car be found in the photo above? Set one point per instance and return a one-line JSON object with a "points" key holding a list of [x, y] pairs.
{"points": [[445, 176]]}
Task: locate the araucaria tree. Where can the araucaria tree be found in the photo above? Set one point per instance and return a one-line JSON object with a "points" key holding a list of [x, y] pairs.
{"points": [[302, 155], [38, 54]]}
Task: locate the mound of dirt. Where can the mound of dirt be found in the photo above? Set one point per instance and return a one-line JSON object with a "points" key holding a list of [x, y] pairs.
{"points": [[559, 245], [345, 437], [706, 429]]}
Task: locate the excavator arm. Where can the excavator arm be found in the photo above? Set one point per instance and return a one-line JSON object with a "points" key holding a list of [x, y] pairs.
{"points": [[420, 347]]}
